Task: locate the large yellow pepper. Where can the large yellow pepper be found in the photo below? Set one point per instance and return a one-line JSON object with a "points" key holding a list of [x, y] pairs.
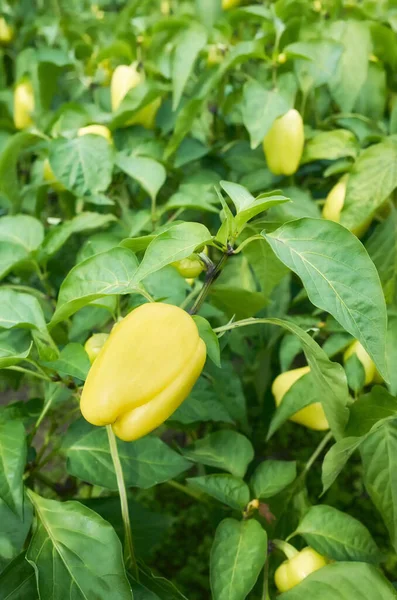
{"points": [[312, 416], [365, 359], [144, 371], [123, 80], [6, 32], [334, 205], [283, 144], [23, 105], [101, 130], [298, 567]]}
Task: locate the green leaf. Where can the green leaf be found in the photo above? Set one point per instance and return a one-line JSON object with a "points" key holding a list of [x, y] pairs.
{"points": [[316, 61], [349, 289], [337, 535], [174, 244], [382, 249], [73, 361], [366, 191], [10, 186], [12, 461], [18, 580], [14, 531], [228, 489], [137, 244], [272, 476], [20, 310], [145, 463], [238, 554], [226, 450], [391, 352], [15, 345], [350, 74], [149, 173], [75, 553], [202, 405], [336, 458], [83, 164], [330, 145], [188, 45], [22, 230], [371, 408], [11, 255], [210, 338], [343, 581], [260, 108], [83, 222], [377, 453], [105, 274]]}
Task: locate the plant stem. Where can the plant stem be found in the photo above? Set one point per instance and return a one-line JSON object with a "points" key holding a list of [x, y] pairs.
{"points": [[212, 274], [185, 490], [129, 555], [265, 592], [286, 548], [28, 372], [316, 453]]}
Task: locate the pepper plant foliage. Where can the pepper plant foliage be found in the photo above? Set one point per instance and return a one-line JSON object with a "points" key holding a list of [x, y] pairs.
{"points": [[91, 227]]}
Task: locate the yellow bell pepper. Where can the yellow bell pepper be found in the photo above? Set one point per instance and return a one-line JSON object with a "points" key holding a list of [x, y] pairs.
{"points": [[298, 567], [95, 130], [365, 359], [124, 78], [283, 144], [49, 176], [23, 104], [144, 371], [312, 416], [334, 205], [6, 32], [94, 345], [227, 4]]}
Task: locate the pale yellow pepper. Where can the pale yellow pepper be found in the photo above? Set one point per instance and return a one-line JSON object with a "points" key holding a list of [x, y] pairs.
{"points": [[283, 144], [23, 104], [101, 130], [365, 359]]}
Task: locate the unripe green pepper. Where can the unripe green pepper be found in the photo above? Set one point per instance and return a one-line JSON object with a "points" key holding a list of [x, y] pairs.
{"points": [[190, 267], [228, 4], [334, 204], [283, 144], [312, 416], [144, 371], [23, 104], [95, 129], [94, 345], [298, 566], [365, 359]]}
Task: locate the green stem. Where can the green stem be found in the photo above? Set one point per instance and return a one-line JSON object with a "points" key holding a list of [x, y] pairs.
{"points": [[129, 555], [316, 454], [210, 278], [185, 490], [265, 591], [287, 549], [28, 372], [191, 295]]}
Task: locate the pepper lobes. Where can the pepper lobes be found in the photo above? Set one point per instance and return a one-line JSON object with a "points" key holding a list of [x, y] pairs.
{"points": [[293, 571], [283, 144], [144, 371]]}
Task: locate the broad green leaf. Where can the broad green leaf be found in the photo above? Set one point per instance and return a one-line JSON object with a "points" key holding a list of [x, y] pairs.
{"points": [[137, 244], [145, 463], [226, 450], [188, 45], [343, 581], [316, 61], [198, 196], [208, 11], [237, 557], [260, 108], [382, 248], [237, 302], [350, 74], [75, 553], [202, 405], [83, 222], [366, 190], [339, 277], [228, 489], [302, 205], [73, 361], [210, 338], [228, 388], [12, 461], [149, 173], [22, 230], [391, 352], [174, 244], [18, 580], [15, 345], [369, 409], [153, 587], [378, 455], [272, 476], [14, 531], [337, 535], [95, 244], [330, 145], [10, 186], [336, 458], [11, 255], [83, 164], [20, 310], [105, 274]]}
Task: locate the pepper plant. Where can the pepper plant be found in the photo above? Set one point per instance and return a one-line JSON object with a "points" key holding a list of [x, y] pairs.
{"points": [[198, 306]]}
